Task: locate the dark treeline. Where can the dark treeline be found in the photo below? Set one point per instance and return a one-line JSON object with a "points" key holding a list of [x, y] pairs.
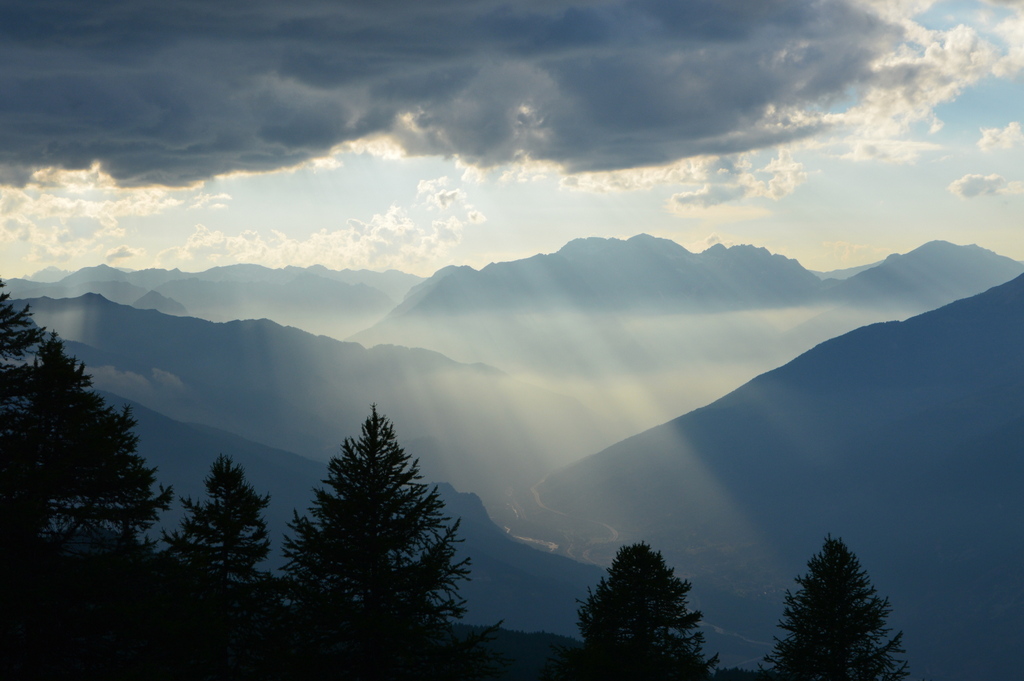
{"points": [[369, 588]]}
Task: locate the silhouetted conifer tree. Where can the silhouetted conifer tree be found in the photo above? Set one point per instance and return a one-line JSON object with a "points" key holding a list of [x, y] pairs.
{"points": [[18, 336], [70, 463], [636, 625], [75, 499], [373, 575], [221, 542], [836, 625]]}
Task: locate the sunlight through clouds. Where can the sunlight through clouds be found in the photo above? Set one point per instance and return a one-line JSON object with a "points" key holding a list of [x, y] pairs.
{"points": [[64, 214], [752, 114]]}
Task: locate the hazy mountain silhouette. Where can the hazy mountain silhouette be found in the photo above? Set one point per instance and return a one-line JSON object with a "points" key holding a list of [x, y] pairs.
{"points": [[641, 273], [316, 299], [282, 387], [119, 291], [529, 589], [933, 274], [845, 272], [904, 438], [160, 303], [309, 302], [48, 274], [95, 274], [642, 330]]}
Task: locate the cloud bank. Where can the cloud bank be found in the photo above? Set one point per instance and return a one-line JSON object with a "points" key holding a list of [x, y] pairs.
{"points": [[172, 93]]}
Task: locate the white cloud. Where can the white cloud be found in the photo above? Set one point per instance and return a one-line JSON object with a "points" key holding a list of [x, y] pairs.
{"points": [[737, 181], [209, 201], [709, 195], [434, 195], [887, 150], [446, 232], [721, 179], [33, 205], [64, 214], [1011, 30], [380, 145], [929, 68], [124, 252], [786, 176], [1005, 138], [525, 170], [687, 171], [388, 240], [970, 186]]}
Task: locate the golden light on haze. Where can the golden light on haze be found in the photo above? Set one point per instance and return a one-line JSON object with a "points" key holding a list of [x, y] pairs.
{"points": [[635, 370]]}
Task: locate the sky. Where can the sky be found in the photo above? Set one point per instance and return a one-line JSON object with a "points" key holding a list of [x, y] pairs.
{"points": [[414, 135]]}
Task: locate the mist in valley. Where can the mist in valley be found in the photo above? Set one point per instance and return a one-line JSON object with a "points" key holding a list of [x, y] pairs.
{"points": [[554, 403], [634, 370]]}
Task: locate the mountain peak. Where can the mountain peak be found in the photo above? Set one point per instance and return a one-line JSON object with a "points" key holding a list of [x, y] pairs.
{"points": [[95, 273]]}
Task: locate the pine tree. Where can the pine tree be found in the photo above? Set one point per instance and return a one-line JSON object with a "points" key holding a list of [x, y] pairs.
{"points": [[221, 542], [18, 336], [836, 625], [636, 625], [372, 571], [75, 501], [70, 468]]}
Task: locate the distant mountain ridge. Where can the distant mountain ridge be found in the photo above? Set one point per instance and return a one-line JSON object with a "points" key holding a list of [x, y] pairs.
{"points": [[643, 330], [392, 282], [282, 387], [904, 438], [934, 274], [643, 272], [646, 273], [317, 299]]}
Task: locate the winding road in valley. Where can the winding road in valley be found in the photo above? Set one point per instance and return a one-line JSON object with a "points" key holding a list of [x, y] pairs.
{"points": [[577, 553]]}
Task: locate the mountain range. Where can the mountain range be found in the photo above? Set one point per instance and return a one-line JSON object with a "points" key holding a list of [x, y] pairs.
{"points": [[642, 330], [654, 275], [330, 302], [904, 438]]}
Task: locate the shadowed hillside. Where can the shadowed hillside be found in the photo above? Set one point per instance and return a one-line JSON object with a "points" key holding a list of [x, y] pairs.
{"points": [[904, 438], [531, 590], [471, 425]]}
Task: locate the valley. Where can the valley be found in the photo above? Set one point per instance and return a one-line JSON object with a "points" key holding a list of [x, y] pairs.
{"points": [[548, 391]]}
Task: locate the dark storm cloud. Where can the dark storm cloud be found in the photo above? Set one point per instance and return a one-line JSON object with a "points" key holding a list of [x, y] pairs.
{"points": [[175, 91]]}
